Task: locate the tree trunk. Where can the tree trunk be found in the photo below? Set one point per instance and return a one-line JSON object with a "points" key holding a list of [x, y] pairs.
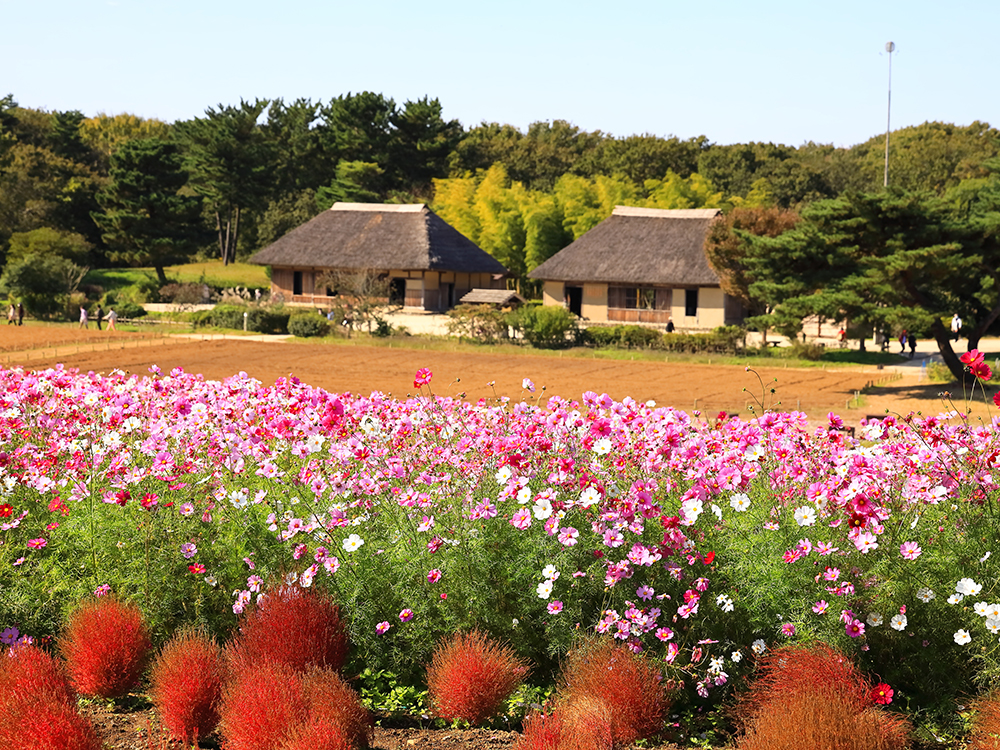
{"points": [[236, 234], [943, 337], [161, 275], [218, 231], [981, 328]]}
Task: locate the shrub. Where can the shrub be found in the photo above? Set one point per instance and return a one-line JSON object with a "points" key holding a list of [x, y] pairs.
{"points": [[546, 327], [106, 647], [294, 626], [38, 706], [629, 685], [307, 326], [470, 676], [260, 705], [985, 723], [318, 735], [271, 320], [602, 337], [333, 704], [483, 324], [823, 718], [814, 696], [126, 309], [46, 724], [186, 685], [541, 732], [640, 337]]}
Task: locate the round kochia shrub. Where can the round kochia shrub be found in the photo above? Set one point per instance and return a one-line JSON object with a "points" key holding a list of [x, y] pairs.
{"points": [[106, 646], [307, 326], [470, 676], [298, 627], [186, 685]]}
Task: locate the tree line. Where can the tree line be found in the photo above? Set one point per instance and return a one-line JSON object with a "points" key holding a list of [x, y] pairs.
{"points": [[79, 191]]}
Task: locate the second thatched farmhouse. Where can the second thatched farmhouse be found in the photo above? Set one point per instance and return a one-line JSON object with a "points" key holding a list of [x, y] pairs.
{"points": [[641, 265], [429, 264]]}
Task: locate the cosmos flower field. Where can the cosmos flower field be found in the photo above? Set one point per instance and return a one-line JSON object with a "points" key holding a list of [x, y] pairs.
{"points": [[699, 541]]}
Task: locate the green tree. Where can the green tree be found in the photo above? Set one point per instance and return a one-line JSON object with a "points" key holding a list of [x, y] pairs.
{"points": [[284, 214], [356, 182], [231, 164], [357, 127], [146, 219], [734, 169], [420, 144], [890, 260], [300, 161], [104, 134], [42, 282], [648, 157], [46, 241]]}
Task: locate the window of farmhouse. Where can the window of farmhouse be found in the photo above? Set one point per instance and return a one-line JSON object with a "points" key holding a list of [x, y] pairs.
{"points": [[638, 298]]}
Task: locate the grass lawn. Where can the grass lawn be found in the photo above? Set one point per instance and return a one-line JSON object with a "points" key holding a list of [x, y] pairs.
{"points": [[212, 273]]}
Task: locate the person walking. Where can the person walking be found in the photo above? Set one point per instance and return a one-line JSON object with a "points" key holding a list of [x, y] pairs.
{"points": [[902, 341], [911, 339], [83, 317], [99, 316], [956, 326], [20, 314], [112, 319], [11, 313]]}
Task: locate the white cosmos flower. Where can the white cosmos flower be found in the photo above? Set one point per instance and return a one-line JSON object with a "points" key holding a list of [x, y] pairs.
{"points": [[874, 619], [544, 589], [955, 598], [968, 586], [352, 543], [504, 475], [962, 637], [589, 496], [740, 502], [602, 447], [758, 647], [925, 594], [898, 622], [805, 516], [524, 495], [550, 572], [542, 509], [993, 625]]}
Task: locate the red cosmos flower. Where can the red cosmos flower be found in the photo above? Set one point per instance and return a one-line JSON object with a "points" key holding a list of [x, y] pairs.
{"points": [[673, 522], [981, 370], [423, 377], [882, 694], [709, 558], [996, 398], [196, 568], [973, 357], [6, 510]]}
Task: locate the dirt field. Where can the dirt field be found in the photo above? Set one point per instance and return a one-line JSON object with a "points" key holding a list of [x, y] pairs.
{"points": [[359, 369]]}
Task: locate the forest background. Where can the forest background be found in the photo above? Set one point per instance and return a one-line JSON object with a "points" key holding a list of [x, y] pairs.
{"points": [[82, 192]]}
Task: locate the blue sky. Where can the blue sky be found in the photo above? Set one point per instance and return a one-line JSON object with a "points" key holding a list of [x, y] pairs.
{"points": [[787, 72]]}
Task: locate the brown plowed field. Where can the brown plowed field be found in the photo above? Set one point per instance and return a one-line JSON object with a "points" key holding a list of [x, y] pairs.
{"points": [[362, 369]]}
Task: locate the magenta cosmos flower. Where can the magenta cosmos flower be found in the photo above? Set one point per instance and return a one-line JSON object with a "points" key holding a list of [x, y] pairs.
{"points": [[433, 576], [423, 377], [406, 615], [382, 627]]}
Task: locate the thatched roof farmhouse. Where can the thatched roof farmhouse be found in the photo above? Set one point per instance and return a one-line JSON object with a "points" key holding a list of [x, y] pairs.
{"points": [[429, 263], [641, 265]]}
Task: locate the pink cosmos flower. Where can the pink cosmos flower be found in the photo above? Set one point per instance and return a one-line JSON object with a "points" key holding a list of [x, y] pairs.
{"points": [[197, 568], [973, 357], [855, 628], [568, 536], [36, 543], [189, 550], [433, 576], [521, 519], [645, 593], [555, 607], [406, 615], [102, 590], [382, 627], [664, 634], [672, 650], [910, 550], [787, 629], [254, 583], [820, 607], [423, 377]]}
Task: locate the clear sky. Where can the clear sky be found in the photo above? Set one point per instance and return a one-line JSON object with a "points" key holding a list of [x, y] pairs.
{"points": [[732, 70]]}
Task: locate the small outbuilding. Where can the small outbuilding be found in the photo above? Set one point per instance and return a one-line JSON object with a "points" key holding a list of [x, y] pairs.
{"points": [[429, 264], [496, 297], [641, 265]]}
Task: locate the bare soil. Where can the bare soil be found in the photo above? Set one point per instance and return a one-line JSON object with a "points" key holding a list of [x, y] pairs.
{"points": [[709, 388]]}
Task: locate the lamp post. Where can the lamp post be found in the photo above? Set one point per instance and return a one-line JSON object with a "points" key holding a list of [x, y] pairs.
{"points": [[890, 48]]}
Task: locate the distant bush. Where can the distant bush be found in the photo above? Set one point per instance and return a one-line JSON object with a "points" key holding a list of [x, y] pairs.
{"points": [[811, 352], [725, 339], [259, 319], [483, 324], [126, 309], [307, 326], [549, 327]]}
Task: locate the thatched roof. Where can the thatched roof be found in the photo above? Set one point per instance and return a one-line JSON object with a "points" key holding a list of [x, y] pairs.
{"points": [[381, 237], [638, 246], [501, 297]]}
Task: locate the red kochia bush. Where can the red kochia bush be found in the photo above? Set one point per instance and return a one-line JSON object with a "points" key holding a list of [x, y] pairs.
{"points": [[470, 676], [814, 696], [629, 685], [541, 732], [298, 627], [318, 735], [186, 685], [332, 703], [38, 706], [106, 647], [261, 703], [985, 723]]}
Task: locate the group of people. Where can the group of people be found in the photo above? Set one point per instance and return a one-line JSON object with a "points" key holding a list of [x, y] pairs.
{"points": [[99, 317], [15, 315], [907, 338]]}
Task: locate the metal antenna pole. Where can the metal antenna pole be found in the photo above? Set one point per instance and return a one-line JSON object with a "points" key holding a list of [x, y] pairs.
{"points": [[890, 48]]}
